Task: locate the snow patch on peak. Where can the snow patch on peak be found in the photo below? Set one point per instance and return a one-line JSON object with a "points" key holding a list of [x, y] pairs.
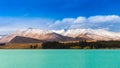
{"points": [[0, 37], [75, 32], [62, 31]]}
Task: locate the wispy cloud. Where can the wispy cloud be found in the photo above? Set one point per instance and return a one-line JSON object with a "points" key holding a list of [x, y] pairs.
{"points": [[104, 19], [10, 24]]}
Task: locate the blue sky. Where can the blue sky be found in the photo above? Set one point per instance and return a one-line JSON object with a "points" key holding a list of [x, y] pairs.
{"points": [[52, 13], [58, 9]]}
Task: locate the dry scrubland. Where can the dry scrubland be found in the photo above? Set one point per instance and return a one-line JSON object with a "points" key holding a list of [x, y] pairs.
{"points": [[28, 45], [22, 46]]}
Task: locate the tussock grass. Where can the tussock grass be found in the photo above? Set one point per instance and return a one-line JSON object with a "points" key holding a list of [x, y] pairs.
{"points": [[22, 46]]}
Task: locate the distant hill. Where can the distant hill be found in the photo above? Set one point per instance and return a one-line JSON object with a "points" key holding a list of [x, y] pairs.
{"points": [[19, 39]]}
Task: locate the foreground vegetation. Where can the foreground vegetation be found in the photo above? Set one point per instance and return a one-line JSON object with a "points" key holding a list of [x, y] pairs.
{"points": [[64, 45]]}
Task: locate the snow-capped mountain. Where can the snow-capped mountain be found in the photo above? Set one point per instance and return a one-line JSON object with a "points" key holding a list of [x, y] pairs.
{"points": [[96, 34], [44, 35], [64, 35]]}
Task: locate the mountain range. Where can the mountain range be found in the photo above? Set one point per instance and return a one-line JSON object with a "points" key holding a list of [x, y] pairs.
{"points": [[37, 35]]}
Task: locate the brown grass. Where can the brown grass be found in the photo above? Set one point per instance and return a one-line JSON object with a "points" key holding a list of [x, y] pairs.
{"points": [[21, 46]]}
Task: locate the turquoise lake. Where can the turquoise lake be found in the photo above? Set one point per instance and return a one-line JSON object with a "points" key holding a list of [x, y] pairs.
{"points": [[59, 58]]}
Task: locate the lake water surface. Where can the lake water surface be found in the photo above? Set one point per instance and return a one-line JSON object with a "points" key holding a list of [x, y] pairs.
{"points": [[59, 58]]}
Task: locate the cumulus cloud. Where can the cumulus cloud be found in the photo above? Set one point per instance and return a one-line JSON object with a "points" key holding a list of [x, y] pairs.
{"points": [[80, 20], [95, 22], [67, 23]]}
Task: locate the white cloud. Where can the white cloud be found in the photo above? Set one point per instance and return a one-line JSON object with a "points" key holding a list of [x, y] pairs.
{"points": [[68, 20], [104, 19], [80, 20], [99, 21], [110, 22]]}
